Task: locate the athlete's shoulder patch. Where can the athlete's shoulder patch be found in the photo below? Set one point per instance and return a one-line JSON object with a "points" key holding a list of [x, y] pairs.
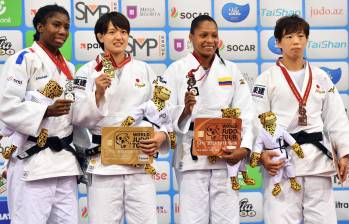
{"points": [[80, 82], [259, 91], [20, 57]]}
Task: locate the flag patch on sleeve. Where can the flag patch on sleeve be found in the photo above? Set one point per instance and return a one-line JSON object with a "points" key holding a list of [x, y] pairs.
{"points": [[225, 81], [258, 91]]}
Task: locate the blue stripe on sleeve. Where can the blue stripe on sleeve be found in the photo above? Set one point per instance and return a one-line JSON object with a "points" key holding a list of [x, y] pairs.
{"points": [[20, 57]]}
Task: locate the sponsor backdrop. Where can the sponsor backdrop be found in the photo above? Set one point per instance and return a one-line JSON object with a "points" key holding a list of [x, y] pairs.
{"points": [[159, 35]]}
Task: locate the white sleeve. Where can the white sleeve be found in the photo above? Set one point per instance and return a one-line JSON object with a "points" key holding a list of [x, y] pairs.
{"points": [[85, 110], [335, 120], [17, 114], [243, 100], [288, 138], [260, 94], [259, 145], [176, 105]]}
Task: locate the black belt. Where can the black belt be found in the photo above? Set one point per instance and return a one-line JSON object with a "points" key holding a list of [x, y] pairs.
{"points": [[303, 137], [146, 119], [55, 143], [96, 139], [191, 128]]}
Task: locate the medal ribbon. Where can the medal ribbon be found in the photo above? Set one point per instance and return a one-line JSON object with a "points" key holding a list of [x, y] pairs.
{"points": [[198, 58], [302, 101], [58, 61]]}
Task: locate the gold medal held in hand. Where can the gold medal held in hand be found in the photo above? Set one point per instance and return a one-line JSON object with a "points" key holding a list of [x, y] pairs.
{"points": [[108, 67]]}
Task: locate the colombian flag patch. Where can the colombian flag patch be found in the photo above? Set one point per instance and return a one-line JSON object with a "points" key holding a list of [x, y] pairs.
{"points": [[225, 81]]}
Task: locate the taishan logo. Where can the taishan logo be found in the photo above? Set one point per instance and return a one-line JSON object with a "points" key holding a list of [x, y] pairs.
{"points": [[280, 12], [327, 44]]}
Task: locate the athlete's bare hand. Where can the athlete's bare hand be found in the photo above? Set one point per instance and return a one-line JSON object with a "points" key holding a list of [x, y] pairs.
{"points": [[152, 146], [272, 166], [343, 164], [102, 83], [189, 102], [58, 108], [234, 156]]}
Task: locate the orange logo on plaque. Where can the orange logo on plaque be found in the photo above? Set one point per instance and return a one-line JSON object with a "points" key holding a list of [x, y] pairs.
{"points": [[211, 135]]}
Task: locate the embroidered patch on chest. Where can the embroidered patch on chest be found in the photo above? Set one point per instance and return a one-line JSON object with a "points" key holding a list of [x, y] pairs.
{"points": [[41, 77], [139, 83], [258, 91], [319, 89], [225, 81], [242, 81], [80, 82]]}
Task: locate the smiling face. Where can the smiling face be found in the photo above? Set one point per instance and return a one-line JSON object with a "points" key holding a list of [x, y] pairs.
{"points": [[115, 40], [55, 31], [205, 39], [293, 45]]}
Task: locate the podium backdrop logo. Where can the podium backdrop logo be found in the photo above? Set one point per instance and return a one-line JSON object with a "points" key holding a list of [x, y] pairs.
{"points": [[335, 74], [131, 11], [87, 12], [234, 12], [10, 13], [272, 46]]}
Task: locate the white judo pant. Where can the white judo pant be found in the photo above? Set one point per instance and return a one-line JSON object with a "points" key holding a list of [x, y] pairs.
{"points": [[314, 204], [112, 196], [46, 201], [206, 197]]}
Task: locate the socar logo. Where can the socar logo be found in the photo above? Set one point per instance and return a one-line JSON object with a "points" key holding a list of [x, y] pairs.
{"points": [[335, 74], [272, 46], [235, 13], [221, 45], [174, 12]]}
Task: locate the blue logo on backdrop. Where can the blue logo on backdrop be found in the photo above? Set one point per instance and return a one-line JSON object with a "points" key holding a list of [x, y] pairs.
{"points": [[335, 74], [235, 13], [4, 215], [272, 46]]}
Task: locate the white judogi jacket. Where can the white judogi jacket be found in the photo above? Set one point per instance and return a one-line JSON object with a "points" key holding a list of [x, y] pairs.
{"points": [[325, 113], [150, 111], [18, 139], [30, 70], [131, 87], [223, 87]]}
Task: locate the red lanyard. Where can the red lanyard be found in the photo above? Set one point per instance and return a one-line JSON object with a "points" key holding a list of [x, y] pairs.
{"points": [[302, 101], [191, 72], [58, 61], [99, 65]]}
